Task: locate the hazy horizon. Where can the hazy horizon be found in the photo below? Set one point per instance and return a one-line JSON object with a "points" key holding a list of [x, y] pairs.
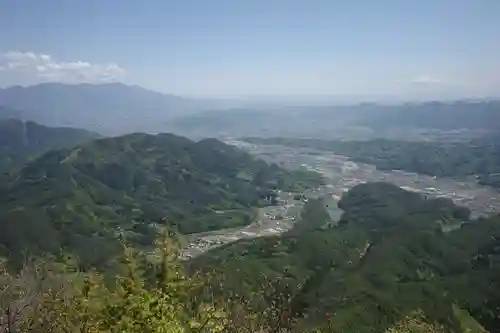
{"points": [[293, 100], [393, 50]]}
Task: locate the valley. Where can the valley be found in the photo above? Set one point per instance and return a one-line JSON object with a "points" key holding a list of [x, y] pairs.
{"points": [[340, 174], [250, 167], [271, 220], [338, 233]]}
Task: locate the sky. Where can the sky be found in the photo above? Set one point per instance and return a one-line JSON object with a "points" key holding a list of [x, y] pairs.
{"points": [[228, 48]]}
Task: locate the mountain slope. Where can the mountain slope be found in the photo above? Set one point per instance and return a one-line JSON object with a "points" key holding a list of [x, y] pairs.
{"points": [[106, 108], [386, 259], [438, 115], [74, 198], [20, 141], [115, 108]]}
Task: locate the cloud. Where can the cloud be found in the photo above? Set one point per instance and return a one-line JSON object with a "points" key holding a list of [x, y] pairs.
{"points": [[42, 67]]}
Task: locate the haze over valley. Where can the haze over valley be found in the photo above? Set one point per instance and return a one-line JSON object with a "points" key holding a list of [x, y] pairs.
{"points": [[114, 109]]}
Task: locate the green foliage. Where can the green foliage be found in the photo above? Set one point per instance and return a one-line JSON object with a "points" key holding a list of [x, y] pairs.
{"points": [[136, 309], [49, 297], [299, 180], [386, 270], [387, 259], [313, 216], [384, 205], [467, 323], [416, 323], [80, 199], [59, 298], [21, 141], [386, 267]]}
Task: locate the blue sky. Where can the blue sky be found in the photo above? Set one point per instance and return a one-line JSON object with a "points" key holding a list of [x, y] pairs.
{"points": [[411, 49]]}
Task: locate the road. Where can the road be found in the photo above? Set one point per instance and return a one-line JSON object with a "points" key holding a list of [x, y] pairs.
{"points": [[271, 220]]}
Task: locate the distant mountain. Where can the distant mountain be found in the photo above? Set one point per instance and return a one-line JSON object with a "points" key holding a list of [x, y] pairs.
{"points": [[115, 109], [9, 113], [20, 141], [110, 109], [444, 116], [361, 121], [81, 199], [293, 121]]}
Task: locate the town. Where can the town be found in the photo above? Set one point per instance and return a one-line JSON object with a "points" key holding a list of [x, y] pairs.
{"points": [[341, 174]]}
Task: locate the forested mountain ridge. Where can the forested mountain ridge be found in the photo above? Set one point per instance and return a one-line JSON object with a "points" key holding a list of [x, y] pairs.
{"points": [[20, 141], [387, 258], [78, 199]]}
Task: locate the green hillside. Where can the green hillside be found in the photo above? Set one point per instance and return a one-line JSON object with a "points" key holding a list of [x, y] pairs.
{"points": [[387, 259], [386, 266], [20, 141], [81, 199]]}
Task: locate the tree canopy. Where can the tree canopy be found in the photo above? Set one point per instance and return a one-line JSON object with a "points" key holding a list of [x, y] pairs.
{"points": [[388, 258], [78, 199]]}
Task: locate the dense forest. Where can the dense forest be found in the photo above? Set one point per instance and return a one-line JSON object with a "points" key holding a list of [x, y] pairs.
{"points": [[480, 157], [386, 267], [20, 141], [159, 297], [79, 198], [386, 259]]}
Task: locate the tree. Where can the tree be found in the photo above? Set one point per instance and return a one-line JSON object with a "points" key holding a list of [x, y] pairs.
{"points": [[416, 323]]}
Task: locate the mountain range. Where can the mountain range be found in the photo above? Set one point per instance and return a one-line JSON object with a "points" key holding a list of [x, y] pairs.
{"points": [[361, 121], [110, 109], [115, 109]]}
